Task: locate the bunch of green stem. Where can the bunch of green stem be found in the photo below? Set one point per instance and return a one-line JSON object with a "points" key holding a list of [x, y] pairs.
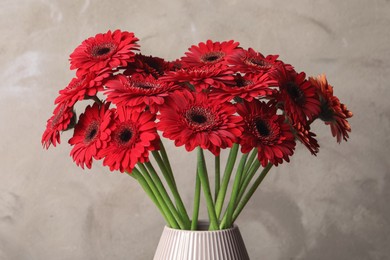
{"points": [[222, 213]]}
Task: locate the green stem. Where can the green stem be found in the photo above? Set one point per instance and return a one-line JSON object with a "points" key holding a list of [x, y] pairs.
{"points": [[171, 220], [251, 191], [249, 163], [195, 213], [227, 218], [141, 180], [165, 158], [248, 178], [217, 176], [165, 195], [204, 180], [225, 180], [173, 188]]}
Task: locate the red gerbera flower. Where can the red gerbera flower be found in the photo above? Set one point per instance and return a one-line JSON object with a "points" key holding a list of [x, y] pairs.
{"points": [[202, 77], [209, 53], [266, 131], [174, 65], [79, 88], [247, 87], [333, 112], [107, 50], [252, 61], [147, 65], [298, 96], [91, 134], [61, 120], [138, 91], [133, 137], [303, 134], [193, 119]]}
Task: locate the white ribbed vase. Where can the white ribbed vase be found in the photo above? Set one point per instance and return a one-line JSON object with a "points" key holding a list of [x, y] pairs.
{"points": [[224, 244]]}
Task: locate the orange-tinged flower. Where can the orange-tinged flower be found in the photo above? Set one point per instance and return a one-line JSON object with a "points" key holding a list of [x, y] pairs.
{"points": [[333, 112]]}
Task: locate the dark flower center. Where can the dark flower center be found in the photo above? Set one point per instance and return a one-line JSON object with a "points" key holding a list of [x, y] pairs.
{"points": [[154, 64], [91, 131], [92, 134], [199, 117], [267, 131], [212, 57], [241, 82], [295, 93], [103, 50], [125, 135], [262, 128], [259, 62], [327, 113]]}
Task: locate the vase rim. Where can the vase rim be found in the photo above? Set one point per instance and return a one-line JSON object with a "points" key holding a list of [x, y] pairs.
{"points": [[205, 224]]}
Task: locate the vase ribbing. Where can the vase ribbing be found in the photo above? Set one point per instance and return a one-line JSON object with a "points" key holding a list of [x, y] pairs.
{"points": [[224, 244]]}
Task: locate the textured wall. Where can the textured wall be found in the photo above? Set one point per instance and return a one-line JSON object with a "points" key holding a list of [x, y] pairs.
{"points": [[333, 206]]}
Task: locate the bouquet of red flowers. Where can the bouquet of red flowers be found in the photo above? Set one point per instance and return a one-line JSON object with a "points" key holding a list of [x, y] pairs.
{"points": [[217, 96]]}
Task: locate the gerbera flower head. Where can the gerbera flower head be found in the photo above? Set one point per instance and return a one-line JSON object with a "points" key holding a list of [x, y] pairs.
{"points": [[138, 91], [299, 96], [251, 61], [193, 119], [62, 119], [203, 77], [247, 87], [303, 134], [147, 65], [105, 50], [87, 85], [266, 131], [134, 135], [333, 112], [91, 134], [209, 52], [174, 65]]}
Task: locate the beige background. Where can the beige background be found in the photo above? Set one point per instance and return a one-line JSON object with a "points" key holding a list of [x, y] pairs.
{"points": [[334, 206]]}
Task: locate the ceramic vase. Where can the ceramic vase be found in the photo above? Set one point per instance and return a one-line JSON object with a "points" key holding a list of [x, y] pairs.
{"points": [[201, 244]]}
